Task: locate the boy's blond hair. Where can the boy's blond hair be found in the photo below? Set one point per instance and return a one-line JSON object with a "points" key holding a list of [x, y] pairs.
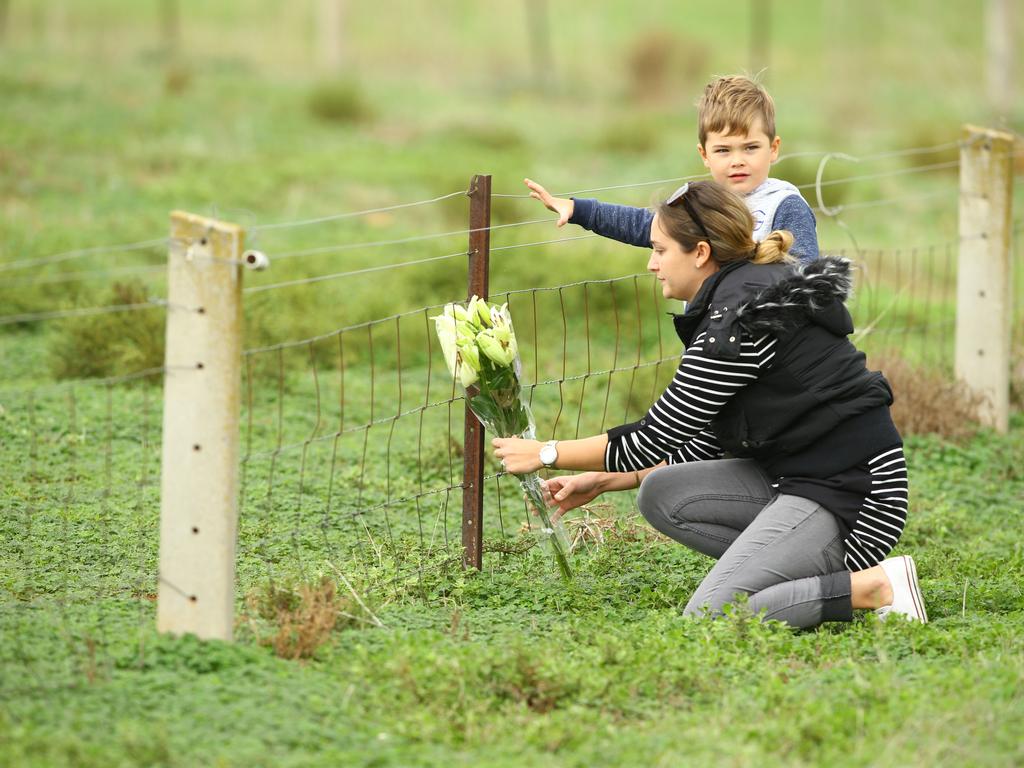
{"points": [[732, 104]]}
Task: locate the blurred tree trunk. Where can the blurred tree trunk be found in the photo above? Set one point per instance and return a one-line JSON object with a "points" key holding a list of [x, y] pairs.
{"points": [[540, 44], [331, 23], [5, 9], [760, 37], [170, 27], [999, 55]]}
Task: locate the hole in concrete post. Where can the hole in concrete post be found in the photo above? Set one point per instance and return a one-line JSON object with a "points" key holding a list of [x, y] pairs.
{"points": [[195, 529], [196, 447]]}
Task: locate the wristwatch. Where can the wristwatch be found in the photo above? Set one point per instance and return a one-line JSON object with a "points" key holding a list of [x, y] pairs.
{"points": [[549, 453]]}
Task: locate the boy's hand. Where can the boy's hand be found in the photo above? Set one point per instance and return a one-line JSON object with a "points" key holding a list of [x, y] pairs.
{"points": [[561, 205]]}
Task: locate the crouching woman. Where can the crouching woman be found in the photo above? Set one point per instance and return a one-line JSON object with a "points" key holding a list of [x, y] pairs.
{"points": [[772, 450]]}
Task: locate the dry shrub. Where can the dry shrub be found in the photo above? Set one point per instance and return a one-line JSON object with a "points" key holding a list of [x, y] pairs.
{"points": [[297, 621], [662, 66], [1017, 372], [177, 79], [340, 101], [631, 134], [590, 527], [928, 401], [111, 344], [524, 680]]}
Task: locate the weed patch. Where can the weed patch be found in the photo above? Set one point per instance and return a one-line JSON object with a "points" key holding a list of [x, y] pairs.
{"points": [[928, 401], [296, 620], [342, 102], [111, 344]]}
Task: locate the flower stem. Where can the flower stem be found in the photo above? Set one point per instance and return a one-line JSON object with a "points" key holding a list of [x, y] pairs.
{"points": [[531, 485]]}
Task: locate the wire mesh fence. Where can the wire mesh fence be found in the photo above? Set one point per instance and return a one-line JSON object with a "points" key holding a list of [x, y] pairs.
{"points": [[905, 302], [80, 480], [352, 448]]}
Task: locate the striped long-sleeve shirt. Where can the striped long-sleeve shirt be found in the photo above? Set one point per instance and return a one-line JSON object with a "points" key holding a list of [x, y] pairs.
{"points": [[871, 504], [676, 428]]}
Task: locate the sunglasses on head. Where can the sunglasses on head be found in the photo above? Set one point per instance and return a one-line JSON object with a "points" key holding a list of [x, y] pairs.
{"points": [[680, 196]]}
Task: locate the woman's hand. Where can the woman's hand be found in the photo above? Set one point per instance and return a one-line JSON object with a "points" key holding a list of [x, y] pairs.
{"points": [[563, 206], [517, 455], [571, 491]]}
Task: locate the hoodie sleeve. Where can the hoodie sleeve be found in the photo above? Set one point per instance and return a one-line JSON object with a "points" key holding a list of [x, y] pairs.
{"points": [[618, 222], [796, 216]]}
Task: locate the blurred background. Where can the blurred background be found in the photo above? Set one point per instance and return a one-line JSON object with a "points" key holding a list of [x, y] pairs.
{"points": [[115, 112]]}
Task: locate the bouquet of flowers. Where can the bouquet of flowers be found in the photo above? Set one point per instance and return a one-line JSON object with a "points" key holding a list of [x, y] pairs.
{"points": [[480, 349]]}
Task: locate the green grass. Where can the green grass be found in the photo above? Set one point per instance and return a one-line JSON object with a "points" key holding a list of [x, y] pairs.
{"points": [[506, 667], [102, 134]]}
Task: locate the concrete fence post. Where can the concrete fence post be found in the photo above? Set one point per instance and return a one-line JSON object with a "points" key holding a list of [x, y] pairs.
{"points": [[984, 277], [199, 466]]}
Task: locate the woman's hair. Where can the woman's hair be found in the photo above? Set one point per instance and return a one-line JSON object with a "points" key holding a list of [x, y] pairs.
{"points": [[725, 224]]}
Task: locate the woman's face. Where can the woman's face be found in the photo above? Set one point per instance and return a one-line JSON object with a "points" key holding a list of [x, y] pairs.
{"points": [[680, 272]]}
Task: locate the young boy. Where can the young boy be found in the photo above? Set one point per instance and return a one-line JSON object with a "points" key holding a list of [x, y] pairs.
{"points": [[736, 128]]}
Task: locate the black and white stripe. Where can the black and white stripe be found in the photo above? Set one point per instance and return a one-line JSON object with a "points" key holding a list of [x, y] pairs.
{"points": [[881, 518], [676, 427], [704, 447]]}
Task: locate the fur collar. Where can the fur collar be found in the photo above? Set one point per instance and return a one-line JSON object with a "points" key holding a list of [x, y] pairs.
{"points": [[811, 292]]}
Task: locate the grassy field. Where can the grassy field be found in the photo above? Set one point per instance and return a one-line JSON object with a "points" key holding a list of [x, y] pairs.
{"points": [[105, 128], [508, 667]]}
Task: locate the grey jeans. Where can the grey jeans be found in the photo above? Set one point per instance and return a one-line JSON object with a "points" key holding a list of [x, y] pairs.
{"points": [[784, 552]]}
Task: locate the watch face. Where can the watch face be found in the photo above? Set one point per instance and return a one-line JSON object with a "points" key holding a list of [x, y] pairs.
{"points": [[548, 454]]}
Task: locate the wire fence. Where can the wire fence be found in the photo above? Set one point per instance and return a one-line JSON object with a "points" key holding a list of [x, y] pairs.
{"points": [[362, 457], [80, 477], [351, 441]]}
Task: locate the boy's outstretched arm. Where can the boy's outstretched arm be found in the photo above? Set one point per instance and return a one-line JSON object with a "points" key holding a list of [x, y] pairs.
{"points": [[618, 222]]}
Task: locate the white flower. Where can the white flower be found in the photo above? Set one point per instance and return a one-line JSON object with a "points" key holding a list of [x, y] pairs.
{"points": [[500, 315], [499, 344], [446, 334], [469, 360], [479, 312]]}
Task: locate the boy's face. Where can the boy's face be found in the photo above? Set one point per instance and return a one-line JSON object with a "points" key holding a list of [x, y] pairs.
{"points": [[740, 162]]}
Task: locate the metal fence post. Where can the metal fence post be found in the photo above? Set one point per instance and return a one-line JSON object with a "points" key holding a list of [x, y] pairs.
{"points": [[473, 468], [199, 467], [984, 279]]}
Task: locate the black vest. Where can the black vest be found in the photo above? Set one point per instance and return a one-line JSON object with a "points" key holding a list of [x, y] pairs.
{"points": [[816, 410]]}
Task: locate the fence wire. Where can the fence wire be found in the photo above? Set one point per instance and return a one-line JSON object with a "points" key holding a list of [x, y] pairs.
{"points": [[79, 470], [352, 449], [352, 441]]}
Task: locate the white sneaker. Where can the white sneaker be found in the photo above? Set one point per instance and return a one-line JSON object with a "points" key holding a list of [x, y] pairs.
{"points": [[906, 592]]}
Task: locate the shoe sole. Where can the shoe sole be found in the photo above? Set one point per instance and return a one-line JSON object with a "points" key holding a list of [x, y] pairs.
{"points": [[915, 589]]}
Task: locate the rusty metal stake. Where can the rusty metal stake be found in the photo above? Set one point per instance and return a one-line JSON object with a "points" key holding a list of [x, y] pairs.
{"points": [[473, 470]]}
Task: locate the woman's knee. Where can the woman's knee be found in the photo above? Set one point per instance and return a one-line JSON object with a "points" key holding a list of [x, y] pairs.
{"points": [[657, 493]]}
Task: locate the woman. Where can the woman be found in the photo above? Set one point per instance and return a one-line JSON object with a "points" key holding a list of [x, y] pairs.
{"points": [[813, 495]]}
